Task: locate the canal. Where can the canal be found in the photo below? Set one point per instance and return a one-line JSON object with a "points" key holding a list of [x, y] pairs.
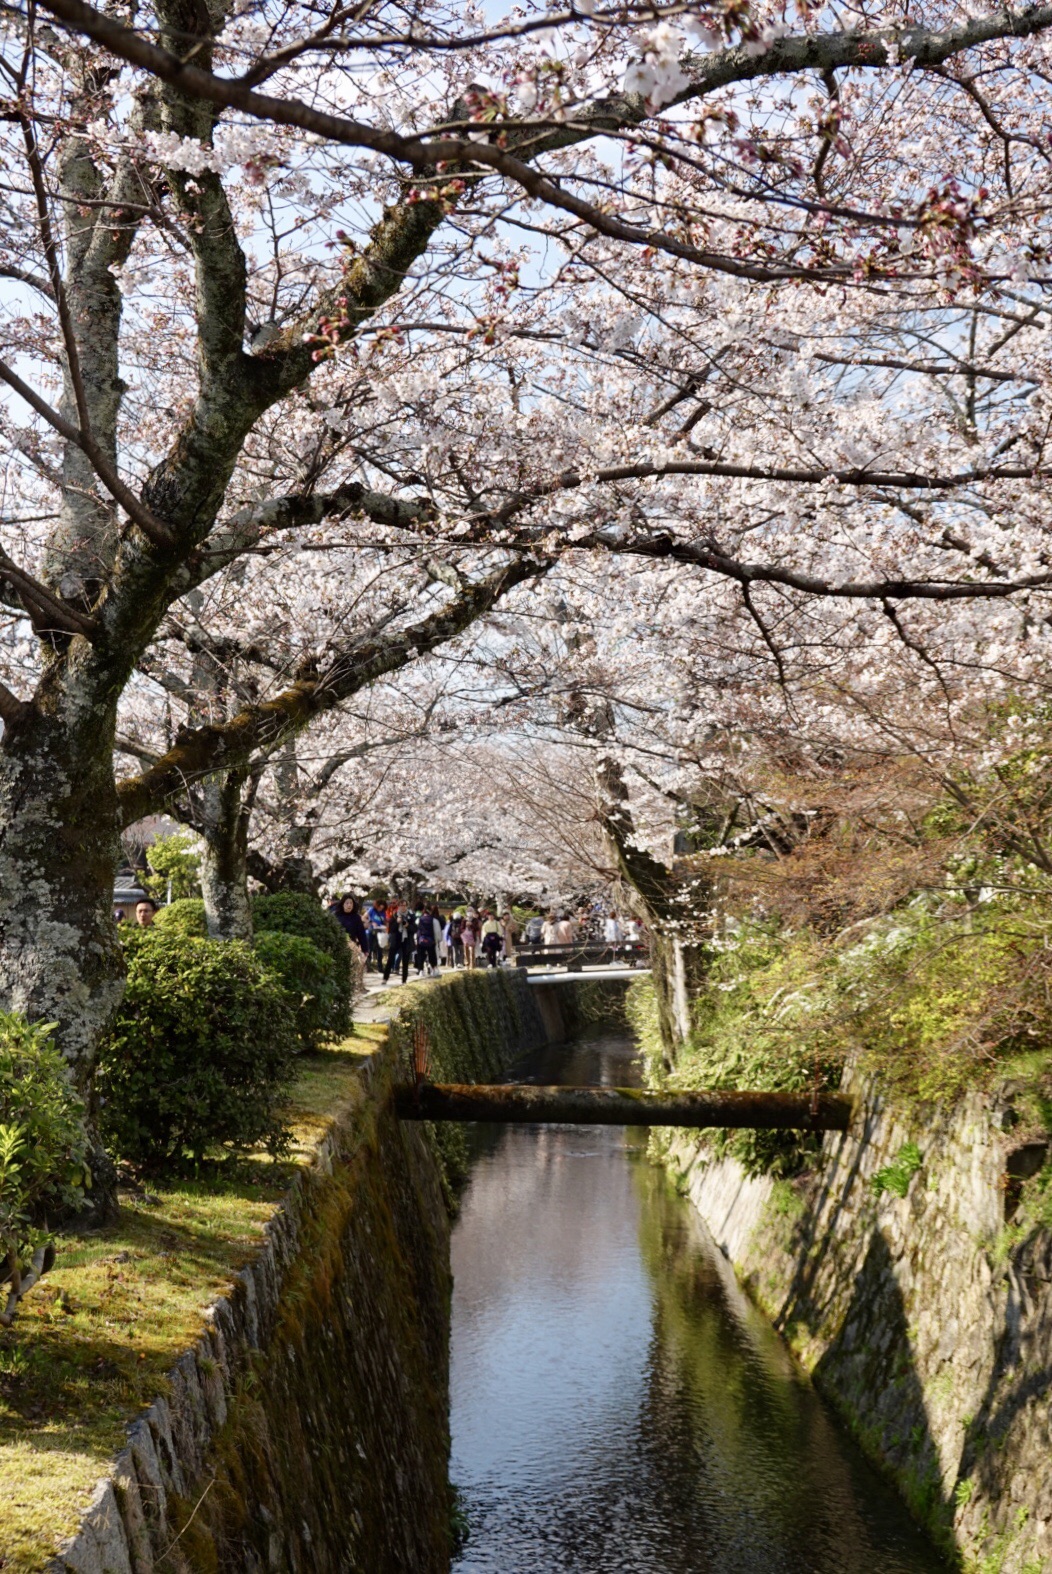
{"points": [[618, 1407]]}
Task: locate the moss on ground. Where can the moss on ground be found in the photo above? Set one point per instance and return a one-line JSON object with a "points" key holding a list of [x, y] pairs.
{"points": [[93, 1343]]}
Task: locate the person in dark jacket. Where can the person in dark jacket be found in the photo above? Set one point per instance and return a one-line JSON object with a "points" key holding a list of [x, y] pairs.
{"points": [[345, 911], [401, 929], [426, 950]]}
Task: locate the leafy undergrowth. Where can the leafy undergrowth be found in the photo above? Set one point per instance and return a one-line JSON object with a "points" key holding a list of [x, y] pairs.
{"points": [[92, 1344], [941, 996]]}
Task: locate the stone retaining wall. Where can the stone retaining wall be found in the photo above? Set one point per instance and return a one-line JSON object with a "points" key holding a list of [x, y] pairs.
{"points": [[932, 1337], [307, 1430]]}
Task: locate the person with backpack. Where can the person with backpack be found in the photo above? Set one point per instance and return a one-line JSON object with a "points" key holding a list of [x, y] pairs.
{"points": [[426, 958], [454, 942]]}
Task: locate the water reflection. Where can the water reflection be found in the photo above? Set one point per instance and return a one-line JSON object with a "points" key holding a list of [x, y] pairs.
{"points": [[616, 1404]]}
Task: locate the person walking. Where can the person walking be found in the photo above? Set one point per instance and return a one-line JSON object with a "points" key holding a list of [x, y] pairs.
{"points": [[400, 941], [511, 934], [454, 940], [612, 933], [426, 959], [345, 911], [375, 921], [492, 938], [469, 938]]}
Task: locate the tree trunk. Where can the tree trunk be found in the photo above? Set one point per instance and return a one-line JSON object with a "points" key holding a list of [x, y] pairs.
{"points": [[680, 973], [671, 909], [224, 862], [290, 873], [60, 957]]}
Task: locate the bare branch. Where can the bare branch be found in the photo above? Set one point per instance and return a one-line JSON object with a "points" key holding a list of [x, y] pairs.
{"points": [[136, 510], [788, 56], [48, 613]]}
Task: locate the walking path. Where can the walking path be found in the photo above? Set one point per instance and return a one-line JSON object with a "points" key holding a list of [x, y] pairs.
{"points": [[372, 1006]]}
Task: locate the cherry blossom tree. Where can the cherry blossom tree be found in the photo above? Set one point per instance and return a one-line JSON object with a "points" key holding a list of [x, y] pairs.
{"points": [[744, 302]]}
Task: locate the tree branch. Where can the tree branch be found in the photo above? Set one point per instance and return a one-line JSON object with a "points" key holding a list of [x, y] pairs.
{"points": [[11, 707], [823, 53], [23, 276], [48, 613], [250, 525], [229, 744], [136, 510]]}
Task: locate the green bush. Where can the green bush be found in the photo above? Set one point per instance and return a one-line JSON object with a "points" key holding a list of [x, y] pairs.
{"points": [[200, 1055], [293, 914], [308, 977], [185, 917], [43, 1142]]}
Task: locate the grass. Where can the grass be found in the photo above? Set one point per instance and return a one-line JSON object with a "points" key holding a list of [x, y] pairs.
{"points": [[92, 1344]]}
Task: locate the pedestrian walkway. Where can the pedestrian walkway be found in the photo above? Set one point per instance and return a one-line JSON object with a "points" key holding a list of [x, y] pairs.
{"points": [[372, 1006]]}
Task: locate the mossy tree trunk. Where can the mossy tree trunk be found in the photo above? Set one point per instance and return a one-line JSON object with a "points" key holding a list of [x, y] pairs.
{"points": [[224, 862], [60, 958], [673, 912]]}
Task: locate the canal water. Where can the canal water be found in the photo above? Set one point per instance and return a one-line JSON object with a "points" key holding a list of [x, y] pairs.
{"points": [[617, 1406]]}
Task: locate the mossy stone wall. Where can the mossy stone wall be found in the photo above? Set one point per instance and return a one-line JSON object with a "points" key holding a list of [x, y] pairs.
{"points": [[930, 1335], [307, 1432]]}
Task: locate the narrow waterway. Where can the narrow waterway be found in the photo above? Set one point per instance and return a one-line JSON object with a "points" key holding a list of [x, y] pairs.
{"points": [[617, 1406]]}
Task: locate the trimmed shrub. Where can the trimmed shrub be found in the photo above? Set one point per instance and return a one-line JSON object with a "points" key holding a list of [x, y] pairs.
{"points": [[184, 917], [308, 977], [291, 913], [43, 1141], [200, 1055]]}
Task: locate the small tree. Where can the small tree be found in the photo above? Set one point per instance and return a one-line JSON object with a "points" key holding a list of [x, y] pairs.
{"points": [[174, 861]]}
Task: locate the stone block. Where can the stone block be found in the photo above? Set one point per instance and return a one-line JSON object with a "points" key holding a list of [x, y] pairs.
{"points": [[100, 1545]]}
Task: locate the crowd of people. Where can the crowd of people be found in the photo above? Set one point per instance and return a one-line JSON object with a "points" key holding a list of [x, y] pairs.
{"points": [[587, 926], [393, 936]]}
